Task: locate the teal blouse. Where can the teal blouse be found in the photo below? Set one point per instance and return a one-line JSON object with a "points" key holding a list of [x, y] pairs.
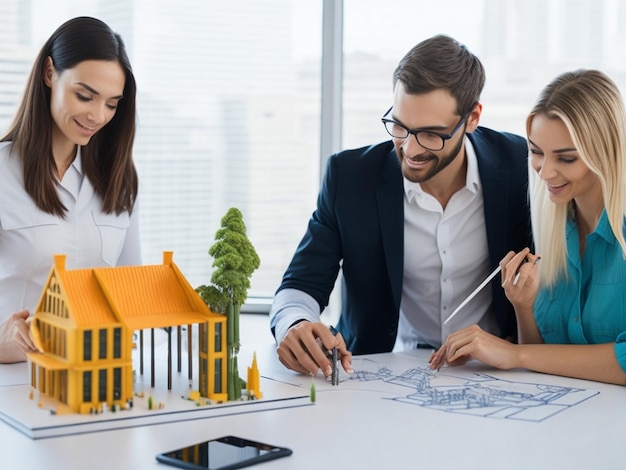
{"points": [[589, 307]]}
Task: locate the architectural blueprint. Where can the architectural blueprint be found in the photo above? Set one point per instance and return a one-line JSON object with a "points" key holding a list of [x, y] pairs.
{"points": [[454, 390], [473, 389]]}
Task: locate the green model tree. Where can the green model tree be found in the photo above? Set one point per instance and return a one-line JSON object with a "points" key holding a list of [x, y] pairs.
{"points": [[234, 260]]}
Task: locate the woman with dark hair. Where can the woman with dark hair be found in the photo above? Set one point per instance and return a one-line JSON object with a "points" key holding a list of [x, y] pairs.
{"points": [[69, 184]]}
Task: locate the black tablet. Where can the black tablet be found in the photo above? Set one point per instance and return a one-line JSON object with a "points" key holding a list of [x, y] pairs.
{"points": [[225, 453]]}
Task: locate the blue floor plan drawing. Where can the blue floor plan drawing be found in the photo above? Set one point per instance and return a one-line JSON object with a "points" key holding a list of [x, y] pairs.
{"points": [[473, 389], [461, 390]]}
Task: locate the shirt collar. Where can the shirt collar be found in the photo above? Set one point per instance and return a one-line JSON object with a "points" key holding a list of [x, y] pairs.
{"points": [[78, 161], [472, 179], [603, 229]]}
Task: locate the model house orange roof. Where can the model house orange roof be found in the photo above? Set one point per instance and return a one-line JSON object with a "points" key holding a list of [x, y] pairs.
{"points": [[85, 298], [153, 296]]}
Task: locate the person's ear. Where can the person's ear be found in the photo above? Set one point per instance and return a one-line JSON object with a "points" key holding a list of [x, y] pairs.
{"points": [[48, 71], [474, 117]]}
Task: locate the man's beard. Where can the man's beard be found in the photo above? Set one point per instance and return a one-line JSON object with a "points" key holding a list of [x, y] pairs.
{"points": [[440, 163]]}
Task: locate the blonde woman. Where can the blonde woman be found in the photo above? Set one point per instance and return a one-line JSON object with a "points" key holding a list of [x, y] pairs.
{"points": [[570, 307]]}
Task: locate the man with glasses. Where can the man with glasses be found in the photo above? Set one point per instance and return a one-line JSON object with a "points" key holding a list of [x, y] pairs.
{"points": [[415, 224]]}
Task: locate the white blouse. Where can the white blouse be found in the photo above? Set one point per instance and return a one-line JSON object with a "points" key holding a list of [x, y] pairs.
{"points": [[29, 237]]}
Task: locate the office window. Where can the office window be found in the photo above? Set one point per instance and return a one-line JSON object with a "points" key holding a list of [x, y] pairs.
{"points": [[523, 45], [229, 96], [228, 115]]}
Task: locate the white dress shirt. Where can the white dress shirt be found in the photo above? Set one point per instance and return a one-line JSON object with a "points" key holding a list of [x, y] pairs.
{"points": [[29, 237], [445, 258]]}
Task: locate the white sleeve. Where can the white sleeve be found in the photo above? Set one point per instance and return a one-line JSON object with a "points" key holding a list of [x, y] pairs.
{"points": [[289, 306]]}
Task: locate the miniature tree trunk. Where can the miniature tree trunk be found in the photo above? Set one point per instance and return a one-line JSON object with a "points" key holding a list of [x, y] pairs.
{"points": [[236, 314], [234, 382], [236, 379], [231, 327], [230, 342]]}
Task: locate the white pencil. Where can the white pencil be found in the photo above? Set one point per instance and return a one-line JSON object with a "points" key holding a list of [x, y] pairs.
{"points": [[473, 294]]}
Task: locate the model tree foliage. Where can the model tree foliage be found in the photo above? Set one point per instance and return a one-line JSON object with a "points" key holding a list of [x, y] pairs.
{"points": [[234, 260]]}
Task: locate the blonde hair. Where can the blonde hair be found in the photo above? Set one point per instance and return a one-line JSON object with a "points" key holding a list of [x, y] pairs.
{"points": [[591, 107]]}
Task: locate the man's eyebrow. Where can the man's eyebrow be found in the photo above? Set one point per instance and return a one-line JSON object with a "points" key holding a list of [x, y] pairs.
{"points": [[563, 150], [91, 90], [427, 128]]}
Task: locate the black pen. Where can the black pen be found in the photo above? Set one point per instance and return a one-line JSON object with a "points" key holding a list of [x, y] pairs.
{"points": [[334, 377]]}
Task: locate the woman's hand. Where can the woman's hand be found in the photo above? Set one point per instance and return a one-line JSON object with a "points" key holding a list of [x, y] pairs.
{"points": [[473, 342], [520, 279], [15, 340]]}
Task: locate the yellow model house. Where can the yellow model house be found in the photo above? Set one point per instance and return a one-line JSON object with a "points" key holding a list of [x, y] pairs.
{"points": [[84, 324]]}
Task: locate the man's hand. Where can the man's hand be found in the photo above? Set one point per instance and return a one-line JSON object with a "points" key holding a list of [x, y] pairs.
{"points": [[15, 338], [304, 349]]}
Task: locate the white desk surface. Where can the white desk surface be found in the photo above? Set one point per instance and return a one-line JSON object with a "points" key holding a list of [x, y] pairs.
{"points": [[356, 429]]}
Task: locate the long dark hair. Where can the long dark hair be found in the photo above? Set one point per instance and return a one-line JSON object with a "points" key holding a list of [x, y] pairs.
{"points": [[107, 158]]}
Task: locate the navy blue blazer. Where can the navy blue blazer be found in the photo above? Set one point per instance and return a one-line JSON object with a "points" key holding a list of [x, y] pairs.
{"points": [[358, 226]]}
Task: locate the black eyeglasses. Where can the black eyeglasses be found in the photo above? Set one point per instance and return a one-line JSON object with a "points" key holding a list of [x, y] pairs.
{"points": [[428, 139]]}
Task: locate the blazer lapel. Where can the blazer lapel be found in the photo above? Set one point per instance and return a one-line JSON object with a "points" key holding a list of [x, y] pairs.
{"points": [[391, 209], [495, 185]]}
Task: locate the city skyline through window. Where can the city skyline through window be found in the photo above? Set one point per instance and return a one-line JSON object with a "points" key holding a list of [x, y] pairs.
{"points": [[229, 96]]}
